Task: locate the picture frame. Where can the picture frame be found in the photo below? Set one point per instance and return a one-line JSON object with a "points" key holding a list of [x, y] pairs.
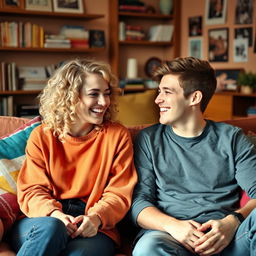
{"points": [[195, 47], [215, 12], [15, 4], [226, 79], [245, 32], [244, 12], [218, 45], [97, 38], [241, 50], [195, 26], [38, 5], [151, 64], [75, 6]]}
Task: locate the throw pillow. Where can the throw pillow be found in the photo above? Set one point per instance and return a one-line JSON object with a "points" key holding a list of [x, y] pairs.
{"points": [[12, 155]]}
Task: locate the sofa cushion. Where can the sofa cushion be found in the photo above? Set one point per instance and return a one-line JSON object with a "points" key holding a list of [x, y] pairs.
{"points": [[12, 155]]}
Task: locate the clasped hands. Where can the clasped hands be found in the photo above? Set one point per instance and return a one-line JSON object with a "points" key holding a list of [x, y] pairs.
{"points": [[205, 239], [82, 225]]}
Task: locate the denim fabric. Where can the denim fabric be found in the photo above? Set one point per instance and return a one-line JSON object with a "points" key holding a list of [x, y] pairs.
{"points": [[47, 236], [158, 243]]}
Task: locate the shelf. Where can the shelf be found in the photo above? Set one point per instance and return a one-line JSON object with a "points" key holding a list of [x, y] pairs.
{"points": [[56, 15], [145, 15], [66, 50], [20, 92], [144, 42], [239, 94]]}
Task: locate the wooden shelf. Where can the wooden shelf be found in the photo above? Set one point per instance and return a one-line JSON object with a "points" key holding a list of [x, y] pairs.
{"points": [[57, 15], [20, 92], [66, 50], [145, 15], [144, 42]]}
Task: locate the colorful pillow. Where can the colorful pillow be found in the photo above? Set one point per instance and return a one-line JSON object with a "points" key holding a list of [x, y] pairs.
{"points": [[12, 155]]}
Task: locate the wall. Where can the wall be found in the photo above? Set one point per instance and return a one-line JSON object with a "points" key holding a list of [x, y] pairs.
{"points": [[197, 7]]}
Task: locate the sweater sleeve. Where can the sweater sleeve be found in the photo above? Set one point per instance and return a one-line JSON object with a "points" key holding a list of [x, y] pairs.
{"points": [[117, 195], [35, 191], [145, 190]]}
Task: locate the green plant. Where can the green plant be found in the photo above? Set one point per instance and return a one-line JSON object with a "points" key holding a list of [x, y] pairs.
{"points": [[247, 78]]}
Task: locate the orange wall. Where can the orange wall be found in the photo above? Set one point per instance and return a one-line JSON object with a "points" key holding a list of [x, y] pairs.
{"points": [[197, 8]]}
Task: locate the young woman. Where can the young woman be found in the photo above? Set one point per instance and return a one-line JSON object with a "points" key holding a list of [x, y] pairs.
{"points": [[78, 177]]}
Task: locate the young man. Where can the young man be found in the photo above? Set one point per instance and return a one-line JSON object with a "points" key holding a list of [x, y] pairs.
{"points": [[190, 173]]}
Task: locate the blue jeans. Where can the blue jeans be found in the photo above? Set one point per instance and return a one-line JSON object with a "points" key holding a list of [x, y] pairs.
{"points": [[158, 243], [48, 236]]}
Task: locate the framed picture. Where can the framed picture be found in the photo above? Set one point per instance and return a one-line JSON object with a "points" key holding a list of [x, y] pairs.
{"points": [[218, 45], [195, 26], [74, 6], [195, 48], [215, 12], [241, 50], [244, 12], [244, 33], [97, 38], [17, 4], [226, 79], [151, 66], [38, 5]]}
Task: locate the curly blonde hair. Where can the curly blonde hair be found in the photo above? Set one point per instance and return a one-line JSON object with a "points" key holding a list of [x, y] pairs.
{"points": [[60, 97]]}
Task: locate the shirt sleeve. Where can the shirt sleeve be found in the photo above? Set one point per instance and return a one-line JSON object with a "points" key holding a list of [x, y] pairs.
{"points": [[34, 186], [145, 191], [245, 163], [117, 195]]}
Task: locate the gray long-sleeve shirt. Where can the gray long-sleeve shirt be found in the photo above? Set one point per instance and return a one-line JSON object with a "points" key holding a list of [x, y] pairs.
{"points": [[193, 178]]}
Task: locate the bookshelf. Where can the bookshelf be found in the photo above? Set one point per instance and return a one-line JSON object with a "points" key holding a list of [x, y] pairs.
{"points": [[143, 49], [39, 56]]}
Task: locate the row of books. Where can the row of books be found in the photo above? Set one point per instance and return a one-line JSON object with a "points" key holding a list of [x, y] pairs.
{"points": [[130, 32], [132, 6], [20, 34], [7, 108], [8, 76]]}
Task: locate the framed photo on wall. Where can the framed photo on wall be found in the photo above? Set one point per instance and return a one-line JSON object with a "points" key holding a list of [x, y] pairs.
{"points": [[195, 26], [17, 4], [215, 12], [244, 12], [244, 33], [218, 45], [195, 48], [74, 6], [38, 5]]}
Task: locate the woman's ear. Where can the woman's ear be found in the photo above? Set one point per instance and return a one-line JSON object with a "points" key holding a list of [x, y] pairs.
{"points": [[196, 98]]}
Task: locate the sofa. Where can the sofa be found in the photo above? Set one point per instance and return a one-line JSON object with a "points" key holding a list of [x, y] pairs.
{"points": [[14, 133]]}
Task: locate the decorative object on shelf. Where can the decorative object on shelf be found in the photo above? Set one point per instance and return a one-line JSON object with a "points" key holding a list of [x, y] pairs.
{"points": [[132, 68], [151, 65], [165, 6], [247, 82], [97, 38], [35, 5], [75, 6], [16, 4], [218, 45], [215, 12]]}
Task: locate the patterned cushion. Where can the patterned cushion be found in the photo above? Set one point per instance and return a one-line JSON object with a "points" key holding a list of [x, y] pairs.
{"points": [[12, 155]]}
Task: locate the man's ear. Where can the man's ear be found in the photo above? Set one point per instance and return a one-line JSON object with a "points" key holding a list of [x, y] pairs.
{"points": [[195, 98]]}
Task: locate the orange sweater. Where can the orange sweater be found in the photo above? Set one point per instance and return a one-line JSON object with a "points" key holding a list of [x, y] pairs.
{"points": [[97, 168]]}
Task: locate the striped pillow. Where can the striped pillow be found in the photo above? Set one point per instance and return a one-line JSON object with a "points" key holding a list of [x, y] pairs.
{"points": [[12, 155]]}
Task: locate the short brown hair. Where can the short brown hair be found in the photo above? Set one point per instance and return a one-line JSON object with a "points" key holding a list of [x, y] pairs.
{"points": [[193, 74]]}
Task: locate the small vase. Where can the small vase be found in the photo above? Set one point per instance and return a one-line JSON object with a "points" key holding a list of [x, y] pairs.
{"points": [[166, 6], [246, 89]]}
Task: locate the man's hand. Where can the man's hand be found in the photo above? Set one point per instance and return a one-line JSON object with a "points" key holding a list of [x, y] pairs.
{"points": [[88, 225], [187, 232], [220, 235], [68, 220]]}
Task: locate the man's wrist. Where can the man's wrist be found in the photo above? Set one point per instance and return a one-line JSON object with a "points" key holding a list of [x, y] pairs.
{"points": [[238, 215]]}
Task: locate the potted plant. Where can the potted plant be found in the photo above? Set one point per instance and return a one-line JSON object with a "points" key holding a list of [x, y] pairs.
{"points": [[247, 82]]}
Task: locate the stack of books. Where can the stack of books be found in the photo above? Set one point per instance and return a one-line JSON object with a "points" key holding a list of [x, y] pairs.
{"points": [[132, 6], [56, 41], [134, 32], [78, 35], [136, 83]]}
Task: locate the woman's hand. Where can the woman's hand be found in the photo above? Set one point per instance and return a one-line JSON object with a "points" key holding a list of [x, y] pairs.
{"points": [[87, 225], [68, 220]]}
